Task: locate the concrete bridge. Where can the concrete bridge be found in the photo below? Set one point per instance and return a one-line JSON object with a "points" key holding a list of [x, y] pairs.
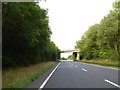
{"points": [[75, 50]]}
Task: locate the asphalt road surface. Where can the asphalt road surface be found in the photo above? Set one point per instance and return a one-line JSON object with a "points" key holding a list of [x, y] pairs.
{"points": [[70, 74]]}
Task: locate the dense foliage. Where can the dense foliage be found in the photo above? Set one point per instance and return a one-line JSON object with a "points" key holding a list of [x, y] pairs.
{"points": [[26, 35], [71, 57], [102, 40]]}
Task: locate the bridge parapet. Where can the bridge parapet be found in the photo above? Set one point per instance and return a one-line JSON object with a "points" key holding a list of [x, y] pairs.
{"points": [[76, 50], [65, 51]]}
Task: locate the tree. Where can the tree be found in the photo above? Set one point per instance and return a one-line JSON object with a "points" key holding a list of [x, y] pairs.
{"points": [[102, 40], [108, 35], [71, 57], [87, 44], [26, 34]]}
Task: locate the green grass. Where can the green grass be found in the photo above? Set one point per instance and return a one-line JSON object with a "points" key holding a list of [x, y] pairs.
{"points": [[103, 62], [21, 77]]}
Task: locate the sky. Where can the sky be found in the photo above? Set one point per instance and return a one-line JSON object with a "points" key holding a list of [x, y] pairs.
{"points": [[70, 19]]}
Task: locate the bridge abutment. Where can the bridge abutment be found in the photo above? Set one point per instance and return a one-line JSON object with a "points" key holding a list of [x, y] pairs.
{"points": [[78, 56]]}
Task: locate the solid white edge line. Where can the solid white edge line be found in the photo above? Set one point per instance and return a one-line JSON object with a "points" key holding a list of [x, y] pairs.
{"points": [[84, 69], [43, 84], [112, 83]]}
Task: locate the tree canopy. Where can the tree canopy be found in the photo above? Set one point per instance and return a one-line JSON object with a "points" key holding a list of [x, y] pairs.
{"points": [[26, 34], [102, 40]]}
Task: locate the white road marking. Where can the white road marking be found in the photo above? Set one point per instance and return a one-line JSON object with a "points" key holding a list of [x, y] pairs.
{"points": [[76, 66], [48, 77], [112, 83], [84, 69]]}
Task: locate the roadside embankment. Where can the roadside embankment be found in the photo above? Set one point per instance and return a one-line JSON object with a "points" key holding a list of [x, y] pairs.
{"points": [[21, 77], [103, 62]]}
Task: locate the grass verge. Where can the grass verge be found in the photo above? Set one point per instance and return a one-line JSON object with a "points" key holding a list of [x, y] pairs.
{"points": [[21, 77], [103, 62]]}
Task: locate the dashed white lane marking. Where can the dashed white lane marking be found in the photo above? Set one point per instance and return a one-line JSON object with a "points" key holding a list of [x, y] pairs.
{"points": [[48, 77], [84, 69], [112, 83], [76, 66]]}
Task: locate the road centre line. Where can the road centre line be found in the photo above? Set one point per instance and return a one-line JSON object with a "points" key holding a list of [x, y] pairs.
{"points": [[112, 83], [84, 69], [43, 84]]}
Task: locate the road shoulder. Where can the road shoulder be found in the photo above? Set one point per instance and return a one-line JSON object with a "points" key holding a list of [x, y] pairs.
{"points": [[36, 83]]}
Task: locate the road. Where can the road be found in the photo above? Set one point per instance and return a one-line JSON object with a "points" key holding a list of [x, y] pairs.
{"points": [[70, 74]]}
